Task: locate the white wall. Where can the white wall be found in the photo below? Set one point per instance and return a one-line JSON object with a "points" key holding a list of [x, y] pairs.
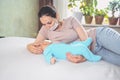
{"points": [[61, 6]]}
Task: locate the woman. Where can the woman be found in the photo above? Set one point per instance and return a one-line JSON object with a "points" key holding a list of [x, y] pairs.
{"points": [[106, 41]]}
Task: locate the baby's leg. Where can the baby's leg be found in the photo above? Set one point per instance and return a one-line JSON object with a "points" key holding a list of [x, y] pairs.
{"points": [[89, 55], [87, 42], [109, 56]]}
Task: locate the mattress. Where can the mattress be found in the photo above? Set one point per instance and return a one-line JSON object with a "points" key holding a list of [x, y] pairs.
{"points": [[17, 63]]}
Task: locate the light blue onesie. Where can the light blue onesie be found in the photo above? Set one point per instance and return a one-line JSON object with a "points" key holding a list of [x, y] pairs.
{"points": [[59, 50]]}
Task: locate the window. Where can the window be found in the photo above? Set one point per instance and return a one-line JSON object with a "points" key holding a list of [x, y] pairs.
{"points": [[101, 4], [62, 7]]}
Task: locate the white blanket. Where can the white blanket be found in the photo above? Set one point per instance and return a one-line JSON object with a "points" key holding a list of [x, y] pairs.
{"points": [[17, 63]]}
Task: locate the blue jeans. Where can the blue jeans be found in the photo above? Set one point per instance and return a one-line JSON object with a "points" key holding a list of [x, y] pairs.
{"points": [[108, 45]]}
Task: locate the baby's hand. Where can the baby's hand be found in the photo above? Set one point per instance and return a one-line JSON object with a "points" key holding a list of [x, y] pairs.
{"points": [[53, 60]]}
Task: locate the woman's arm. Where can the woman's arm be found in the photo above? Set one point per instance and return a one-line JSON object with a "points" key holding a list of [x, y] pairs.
{"points": [[74, 58], [39, 38], [82, 36], [77, 26], [81, 33], [35, 46]]}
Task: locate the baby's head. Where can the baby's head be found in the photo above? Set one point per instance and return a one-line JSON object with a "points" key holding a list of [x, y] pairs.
{"points": [[44, 44]]}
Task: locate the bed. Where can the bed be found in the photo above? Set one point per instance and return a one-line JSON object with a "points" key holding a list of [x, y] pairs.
{"points": [[17, 63]]}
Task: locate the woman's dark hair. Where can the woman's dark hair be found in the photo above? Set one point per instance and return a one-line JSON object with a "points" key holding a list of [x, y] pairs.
{"points": [[47, 11]]}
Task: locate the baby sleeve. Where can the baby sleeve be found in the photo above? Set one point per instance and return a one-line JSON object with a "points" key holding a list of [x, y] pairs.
{"points": [[48, 55]]}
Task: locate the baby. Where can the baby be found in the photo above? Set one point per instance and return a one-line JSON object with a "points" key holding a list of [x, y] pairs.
{"points": [[53, 51]]}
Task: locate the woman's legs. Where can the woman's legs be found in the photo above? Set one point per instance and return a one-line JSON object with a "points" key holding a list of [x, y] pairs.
{"points": [[108, 45], [109, 39], [109, 56]]}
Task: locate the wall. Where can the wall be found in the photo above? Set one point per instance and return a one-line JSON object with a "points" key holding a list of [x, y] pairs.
{"points": [[61, 6], [19, 18]]}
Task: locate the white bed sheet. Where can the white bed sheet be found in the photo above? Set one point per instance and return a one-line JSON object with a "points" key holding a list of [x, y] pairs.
{"points": [[16, 63]]}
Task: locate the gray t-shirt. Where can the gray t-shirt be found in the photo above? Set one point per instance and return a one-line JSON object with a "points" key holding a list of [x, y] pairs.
{"points": [[67, 34]]}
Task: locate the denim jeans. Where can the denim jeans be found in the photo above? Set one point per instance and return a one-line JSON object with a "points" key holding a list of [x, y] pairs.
{"points": [[108, 45]]}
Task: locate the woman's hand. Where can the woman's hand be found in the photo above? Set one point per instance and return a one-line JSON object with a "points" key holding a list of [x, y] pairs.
{"points": [[74, 58], [34, 48]]}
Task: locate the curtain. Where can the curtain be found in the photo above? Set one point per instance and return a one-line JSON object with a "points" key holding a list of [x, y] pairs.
{"points": [[45, 2]]}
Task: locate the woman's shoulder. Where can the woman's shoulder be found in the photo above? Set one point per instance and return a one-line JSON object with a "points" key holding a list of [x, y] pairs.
{"points": [[69, 18]]}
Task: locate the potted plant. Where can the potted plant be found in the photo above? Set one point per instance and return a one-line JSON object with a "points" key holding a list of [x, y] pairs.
{"points": [[99, 15], [113, 7], [87, 8], [72, 6]]}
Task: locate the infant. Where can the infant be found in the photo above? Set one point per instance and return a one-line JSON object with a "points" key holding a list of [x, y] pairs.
{"points": [[54, 51]]}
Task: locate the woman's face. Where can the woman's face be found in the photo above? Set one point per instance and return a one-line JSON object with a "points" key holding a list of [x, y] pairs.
{"points": [[47, 21]]}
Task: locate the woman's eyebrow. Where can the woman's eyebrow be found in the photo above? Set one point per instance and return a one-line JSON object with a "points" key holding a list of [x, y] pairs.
{"points": [[49, 22], [43, 24]]}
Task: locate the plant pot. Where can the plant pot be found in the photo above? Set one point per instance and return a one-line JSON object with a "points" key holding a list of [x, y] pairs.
{"points": [[99, 19], [113, 20], [88, 19]]}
